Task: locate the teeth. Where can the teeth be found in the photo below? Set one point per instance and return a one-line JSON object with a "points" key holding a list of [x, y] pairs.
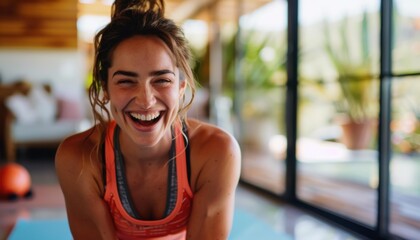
{"points": [[145, 117]]}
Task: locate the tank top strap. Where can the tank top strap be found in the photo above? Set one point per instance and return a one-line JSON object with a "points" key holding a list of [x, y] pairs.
{"points": [[181, 159], [109, 160]]}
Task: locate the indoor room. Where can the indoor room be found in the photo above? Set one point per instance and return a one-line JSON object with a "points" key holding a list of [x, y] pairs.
{"points": [[321, 96]]}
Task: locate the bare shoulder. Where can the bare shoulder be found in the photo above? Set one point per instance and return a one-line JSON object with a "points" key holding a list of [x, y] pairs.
{"points": [[75, 147], [75, 155], [210, 138], [213, 152]]}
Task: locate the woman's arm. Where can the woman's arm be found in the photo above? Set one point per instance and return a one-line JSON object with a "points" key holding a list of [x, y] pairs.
{"points": [[214, 186], [80, 181]]}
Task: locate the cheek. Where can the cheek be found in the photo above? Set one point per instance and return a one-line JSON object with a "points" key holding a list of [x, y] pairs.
{"points": [[118, 101], [174, 97], [115, 109]]}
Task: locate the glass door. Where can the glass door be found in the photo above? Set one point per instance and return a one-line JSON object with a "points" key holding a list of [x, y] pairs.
{"points": [[337, 167], [405, 124], [263, 76]]}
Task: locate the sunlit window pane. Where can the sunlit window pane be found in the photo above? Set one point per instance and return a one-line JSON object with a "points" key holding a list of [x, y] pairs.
{"points": [[406, 54], [263, 73], [338, 107], [405, 164]]}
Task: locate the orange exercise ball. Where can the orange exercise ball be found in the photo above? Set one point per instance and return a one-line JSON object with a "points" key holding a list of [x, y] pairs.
{"points": [[15, 181]]}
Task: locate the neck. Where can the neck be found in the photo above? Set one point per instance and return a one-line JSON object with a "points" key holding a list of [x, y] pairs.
{"points": [[156, 155]]}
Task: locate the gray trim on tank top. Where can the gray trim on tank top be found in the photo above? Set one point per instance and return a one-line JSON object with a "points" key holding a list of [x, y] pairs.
{"points": [[123, 191]]}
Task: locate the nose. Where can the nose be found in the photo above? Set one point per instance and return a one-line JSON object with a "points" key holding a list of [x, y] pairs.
{"points": [[145, 97]]}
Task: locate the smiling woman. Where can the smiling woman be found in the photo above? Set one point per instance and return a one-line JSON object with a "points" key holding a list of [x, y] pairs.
{"points": [[144, 83], [145, 171]]}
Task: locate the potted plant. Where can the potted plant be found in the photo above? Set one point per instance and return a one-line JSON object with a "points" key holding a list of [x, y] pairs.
{"points": [[263, 75], [357, 103]]}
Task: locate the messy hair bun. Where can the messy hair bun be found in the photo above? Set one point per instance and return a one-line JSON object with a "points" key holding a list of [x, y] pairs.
{"points": [[157, 6]]}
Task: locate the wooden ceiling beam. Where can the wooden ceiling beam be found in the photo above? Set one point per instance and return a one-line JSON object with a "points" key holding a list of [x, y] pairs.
{"points": [[190, 8]]}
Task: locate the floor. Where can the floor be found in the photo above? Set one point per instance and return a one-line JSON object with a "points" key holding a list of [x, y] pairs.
{"points": [[346, 186], [259, 212]]}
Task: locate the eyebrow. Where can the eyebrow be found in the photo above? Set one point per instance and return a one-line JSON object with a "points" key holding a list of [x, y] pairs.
{"points": [[125, 73], [161, 72], [134, 74]]}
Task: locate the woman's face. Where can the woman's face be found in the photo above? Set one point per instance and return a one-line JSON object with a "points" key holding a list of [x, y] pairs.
{"points": [[144, 89]]}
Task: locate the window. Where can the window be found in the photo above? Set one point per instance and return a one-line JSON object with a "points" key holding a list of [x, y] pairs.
{"points": [[263, 75], [338, 107], [351, 65]]}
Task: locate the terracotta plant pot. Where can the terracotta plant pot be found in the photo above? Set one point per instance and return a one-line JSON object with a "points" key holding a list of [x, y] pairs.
{"points": [[357, 135]]}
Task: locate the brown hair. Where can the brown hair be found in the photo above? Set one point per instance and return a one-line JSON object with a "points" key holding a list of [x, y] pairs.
{"points": [[130, 18]]}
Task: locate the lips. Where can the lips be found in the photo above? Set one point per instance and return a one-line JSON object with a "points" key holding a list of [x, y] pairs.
{"points": [[145, 119]]}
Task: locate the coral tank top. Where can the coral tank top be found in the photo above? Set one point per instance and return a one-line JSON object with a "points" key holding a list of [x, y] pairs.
{"points": [[179, 201]]}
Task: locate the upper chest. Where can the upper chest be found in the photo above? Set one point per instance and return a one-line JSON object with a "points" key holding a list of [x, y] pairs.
{"points": [[148, 191]]}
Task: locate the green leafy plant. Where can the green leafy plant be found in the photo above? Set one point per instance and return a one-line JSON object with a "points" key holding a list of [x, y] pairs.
{"points": [[261, 59], [262, 69], [354, 68]]}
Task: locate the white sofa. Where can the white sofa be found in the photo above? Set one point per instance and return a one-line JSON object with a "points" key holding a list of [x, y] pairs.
{"points": [[36, 118]]}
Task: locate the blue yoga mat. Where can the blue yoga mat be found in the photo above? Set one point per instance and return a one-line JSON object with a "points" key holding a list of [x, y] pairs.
{"points": [[245, 227], [35, 229]]}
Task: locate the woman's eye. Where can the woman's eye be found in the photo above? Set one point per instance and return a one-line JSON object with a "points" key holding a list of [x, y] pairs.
{"points": [[163, 81], [124, 81]]}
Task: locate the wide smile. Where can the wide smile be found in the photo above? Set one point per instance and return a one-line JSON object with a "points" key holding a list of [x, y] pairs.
{"points": [[148, 119]]}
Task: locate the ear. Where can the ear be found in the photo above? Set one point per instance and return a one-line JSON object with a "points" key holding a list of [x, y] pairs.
{"points": [[105, 95], [182, 86], [182, 82], [104, 90]]}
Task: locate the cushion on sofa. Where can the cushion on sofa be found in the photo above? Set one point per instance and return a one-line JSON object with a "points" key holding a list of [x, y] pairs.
{"points": [[37, 107], [47, 132]]}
